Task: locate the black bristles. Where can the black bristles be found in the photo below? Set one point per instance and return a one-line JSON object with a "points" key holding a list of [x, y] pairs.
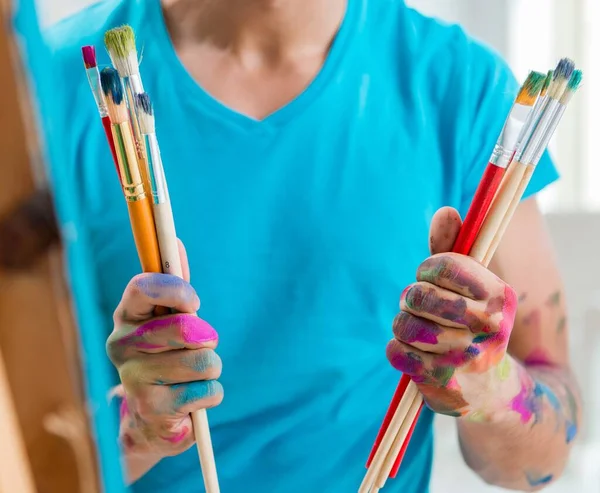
{"points": [[144, 103], [111, 84]]}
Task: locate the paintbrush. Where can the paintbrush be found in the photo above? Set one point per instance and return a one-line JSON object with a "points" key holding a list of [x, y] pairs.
{"points": [[499, 161], [492, 177], [120, 43], [572, 87], [523, 158], [138, 201], [93, 75], [169, 251]]}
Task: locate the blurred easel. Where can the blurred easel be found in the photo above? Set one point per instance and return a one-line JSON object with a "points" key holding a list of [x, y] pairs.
{"points": [[45, 439]]}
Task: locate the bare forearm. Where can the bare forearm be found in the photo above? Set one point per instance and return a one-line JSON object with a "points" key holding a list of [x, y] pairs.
{"points": [[525, 445]]}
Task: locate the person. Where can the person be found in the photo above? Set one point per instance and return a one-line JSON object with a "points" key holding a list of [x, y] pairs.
{"points": [[317, 153]]}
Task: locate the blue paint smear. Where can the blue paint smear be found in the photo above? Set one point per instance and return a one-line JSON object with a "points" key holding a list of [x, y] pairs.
{"points": [[543, 390], [540, 481], [186, 393], [571, 431]]}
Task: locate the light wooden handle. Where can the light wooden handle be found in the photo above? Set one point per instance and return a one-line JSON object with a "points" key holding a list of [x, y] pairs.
{"points": [[500, 205], [389, 437], [171, 262], [509, 215], [388, 464], [205, 451], [167, 240]]}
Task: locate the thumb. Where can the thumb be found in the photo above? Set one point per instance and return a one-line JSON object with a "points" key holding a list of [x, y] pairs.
{"points": [[185, 266], [444, 230]]}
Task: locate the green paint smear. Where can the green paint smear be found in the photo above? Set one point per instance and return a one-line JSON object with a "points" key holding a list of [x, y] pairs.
{"points": [[443, 374], [562, 323], [554, 300], [504, 369], [477, 417]]}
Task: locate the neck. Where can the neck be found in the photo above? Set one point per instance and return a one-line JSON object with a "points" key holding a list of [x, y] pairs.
{"points": [[270, 29]]}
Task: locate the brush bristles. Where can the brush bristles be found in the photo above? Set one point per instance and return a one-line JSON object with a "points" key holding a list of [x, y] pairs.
{"points": [[547, 82], [564, 69], [89, 56], [113, 92], [531, 88], [120, 43], [145, 113], [575, 80]]}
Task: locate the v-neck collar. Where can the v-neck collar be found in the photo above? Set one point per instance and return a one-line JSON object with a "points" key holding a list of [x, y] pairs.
{"points": [[286, 112]]}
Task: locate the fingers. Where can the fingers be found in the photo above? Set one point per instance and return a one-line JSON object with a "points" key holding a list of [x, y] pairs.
{"points": [[428, 336], [444, 230], [172, 368], [444, 307], [459, 274], [181, 331], [156, 403], [428, 368], [147, 291]]}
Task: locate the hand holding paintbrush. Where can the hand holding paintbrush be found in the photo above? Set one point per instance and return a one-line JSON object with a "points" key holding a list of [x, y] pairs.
{"points": [[154, 233], [400, 420]]}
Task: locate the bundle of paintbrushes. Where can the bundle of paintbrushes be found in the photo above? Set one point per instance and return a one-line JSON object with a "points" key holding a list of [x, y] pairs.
{"points": [[128, 118], [532, 121]]}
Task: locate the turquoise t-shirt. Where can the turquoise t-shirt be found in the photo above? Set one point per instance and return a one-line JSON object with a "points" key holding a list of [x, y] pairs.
{"points": [[302, 229]]}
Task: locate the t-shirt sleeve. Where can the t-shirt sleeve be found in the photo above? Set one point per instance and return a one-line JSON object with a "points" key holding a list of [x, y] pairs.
{"points": [[491, 90]]}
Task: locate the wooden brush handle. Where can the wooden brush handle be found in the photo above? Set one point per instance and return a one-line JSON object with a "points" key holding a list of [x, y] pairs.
{"points": [[400, 439], [205, 451], [167, 239], [144, 234], [498, 209], [388, 438], [146, 243], [509, 215]]}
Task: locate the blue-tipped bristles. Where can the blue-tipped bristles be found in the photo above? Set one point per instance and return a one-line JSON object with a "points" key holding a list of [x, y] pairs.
{"points": [[144, 104], [111, 85], [564, 69]]}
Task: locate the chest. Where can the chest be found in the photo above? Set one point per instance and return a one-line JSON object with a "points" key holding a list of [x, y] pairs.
{"points": [[327, 210]]}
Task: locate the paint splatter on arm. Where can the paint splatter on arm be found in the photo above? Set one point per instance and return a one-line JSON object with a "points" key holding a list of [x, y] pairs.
{"points": [[527, 443]]}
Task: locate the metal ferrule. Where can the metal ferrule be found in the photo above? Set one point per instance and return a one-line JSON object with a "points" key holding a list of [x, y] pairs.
{"points": [[131, 178], [507, 142], [532, 119], [541, 129], [158, 182], [94, 79], [549, 133]]}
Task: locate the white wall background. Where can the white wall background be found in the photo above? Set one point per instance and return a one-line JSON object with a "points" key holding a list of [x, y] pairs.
{"points": [[534, 34]]}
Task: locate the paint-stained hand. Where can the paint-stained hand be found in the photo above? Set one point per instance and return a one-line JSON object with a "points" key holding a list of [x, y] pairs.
{"points": [[168, 365], [452, 333]]}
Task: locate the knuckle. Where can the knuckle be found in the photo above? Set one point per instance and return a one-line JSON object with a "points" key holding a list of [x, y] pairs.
{"points": [[134, 288], [420, 298], [113, 349], [131, 374], [399, 326]]}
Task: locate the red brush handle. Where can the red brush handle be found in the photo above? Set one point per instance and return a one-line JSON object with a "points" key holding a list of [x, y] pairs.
{"points": [[485, 193], [109, 136]]}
